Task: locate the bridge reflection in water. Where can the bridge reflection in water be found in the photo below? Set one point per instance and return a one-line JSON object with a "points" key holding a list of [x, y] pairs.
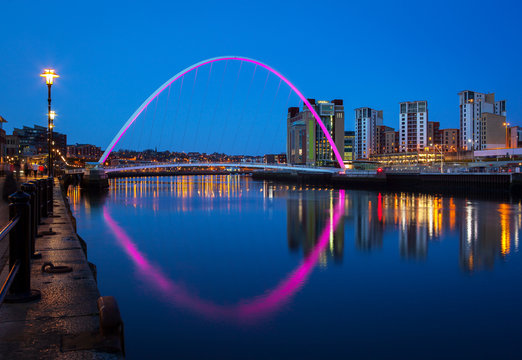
{"points": [[213, 262], [487, 230], [256, 308]]}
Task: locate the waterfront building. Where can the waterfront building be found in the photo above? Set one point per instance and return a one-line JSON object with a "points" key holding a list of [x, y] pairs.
{"points": [[274, 159], [413, 121], [387, 141], [408, 158], [12, 145], [434, 134], [515, 136], [3, 139], [366, 122], [449, 140], [472, 106], [33, 141], [84, 151], [493, 132], [306, 142], [349, 140], [296, 137]]}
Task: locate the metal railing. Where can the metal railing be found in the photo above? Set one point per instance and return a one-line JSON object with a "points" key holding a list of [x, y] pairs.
{"points": [[14, 269], [26, 209]]}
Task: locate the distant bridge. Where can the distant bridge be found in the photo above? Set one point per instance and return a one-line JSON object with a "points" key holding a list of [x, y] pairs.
{"points": [[282, 168]]}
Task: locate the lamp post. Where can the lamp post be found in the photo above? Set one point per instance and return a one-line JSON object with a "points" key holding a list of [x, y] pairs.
{"points": [[441, 151], [472, 150], [49, 75], [506, 124]]}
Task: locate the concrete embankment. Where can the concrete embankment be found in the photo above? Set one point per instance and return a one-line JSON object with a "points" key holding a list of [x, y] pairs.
{"points": [[65, 322], [500, 183]]}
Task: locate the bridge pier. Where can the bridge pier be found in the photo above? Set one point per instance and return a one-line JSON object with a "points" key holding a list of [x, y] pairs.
{"points": [[95, 179]]}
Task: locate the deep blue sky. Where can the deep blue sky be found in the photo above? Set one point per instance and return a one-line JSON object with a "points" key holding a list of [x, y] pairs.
{"points": [[112, 55]]}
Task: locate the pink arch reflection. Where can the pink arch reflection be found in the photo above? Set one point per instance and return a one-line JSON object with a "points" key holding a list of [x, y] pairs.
{"points": [[244, 311], [158, 91]]}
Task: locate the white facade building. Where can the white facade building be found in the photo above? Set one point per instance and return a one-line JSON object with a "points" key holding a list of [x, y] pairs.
{"points": [[471, 106], [366, 122], [413, 132]]}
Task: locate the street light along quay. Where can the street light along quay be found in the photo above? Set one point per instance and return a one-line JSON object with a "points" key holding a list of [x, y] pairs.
{"points": [[49, 75], [506, 124]]}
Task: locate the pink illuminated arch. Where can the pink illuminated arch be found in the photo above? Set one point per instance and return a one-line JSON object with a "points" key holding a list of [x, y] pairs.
{"points": [[135, 115]]}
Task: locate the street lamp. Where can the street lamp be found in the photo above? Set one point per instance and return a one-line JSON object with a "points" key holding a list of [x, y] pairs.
{"points": [[506, 124], [441, 151], [472, 150], [49, 75], [51, 116]]}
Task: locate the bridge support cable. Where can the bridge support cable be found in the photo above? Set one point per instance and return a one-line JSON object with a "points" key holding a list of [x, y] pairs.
{"points": [[274, 138], [188, 111], [142, 128], [230, 107], [216, 107], [153, 121], [238, 127], [269, 112], [164, 117], [141, 108], [178, 104], [256, 112], [203, 104]]}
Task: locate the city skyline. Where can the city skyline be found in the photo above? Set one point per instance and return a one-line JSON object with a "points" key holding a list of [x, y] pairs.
{"points": [[91, 95]]}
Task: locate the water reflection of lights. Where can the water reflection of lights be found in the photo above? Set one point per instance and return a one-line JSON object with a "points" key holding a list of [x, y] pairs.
{"points": [[246, 310], [487, 230], [505, 236]]}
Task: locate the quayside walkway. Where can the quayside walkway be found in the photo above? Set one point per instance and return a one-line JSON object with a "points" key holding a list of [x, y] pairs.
{"points": [[65, 322]]}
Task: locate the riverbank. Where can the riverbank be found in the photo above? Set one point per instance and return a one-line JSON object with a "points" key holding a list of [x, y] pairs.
{"points": [[496, 184], [65, 323]]}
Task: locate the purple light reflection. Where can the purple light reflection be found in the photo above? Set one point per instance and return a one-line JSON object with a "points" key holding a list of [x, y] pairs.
{"points": [[246, 310]]}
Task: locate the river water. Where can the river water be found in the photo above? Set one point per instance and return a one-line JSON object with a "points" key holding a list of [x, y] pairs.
{"points": [[225, 267]]}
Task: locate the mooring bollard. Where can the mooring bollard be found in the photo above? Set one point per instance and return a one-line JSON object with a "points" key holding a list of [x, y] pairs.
{"points": [[30, 189], [50, 186], [20, 249], [43, 197], [111, 324], [36, 210]]}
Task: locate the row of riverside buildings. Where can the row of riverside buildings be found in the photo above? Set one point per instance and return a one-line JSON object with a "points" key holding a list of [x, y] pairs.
{"points": [[32, 141], [483, 126]]}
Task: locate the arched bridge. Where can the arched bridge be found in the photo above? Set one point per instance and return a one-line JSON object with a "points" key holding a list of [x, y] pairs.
{"points": [[337, 155]]}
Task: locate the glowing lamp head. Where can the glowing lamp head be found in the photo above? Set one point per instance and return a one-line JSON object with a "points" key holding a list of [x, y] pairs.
{"points": [[379, 170], [49, 75], [52, 114]]}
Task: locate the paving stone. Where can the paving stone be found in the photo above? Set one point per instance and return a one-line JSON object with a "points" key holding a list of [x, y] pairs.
{"points": [[64, 324]]}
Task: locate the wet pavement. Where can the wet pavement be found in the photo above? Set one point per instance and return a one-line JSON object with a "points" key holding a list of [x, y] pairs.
{"points": [[64, 324]]}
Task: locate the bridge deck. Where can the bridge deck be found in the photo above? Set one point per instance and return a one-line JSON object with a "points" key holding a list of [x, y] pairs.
{"points": [[277, 167]]}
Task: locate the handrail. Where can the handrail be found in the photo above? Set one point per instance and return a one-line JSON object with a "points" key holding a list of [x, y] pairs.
{"points": [[14, 270], [21, 229], [7, 283], [8, 227]]}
